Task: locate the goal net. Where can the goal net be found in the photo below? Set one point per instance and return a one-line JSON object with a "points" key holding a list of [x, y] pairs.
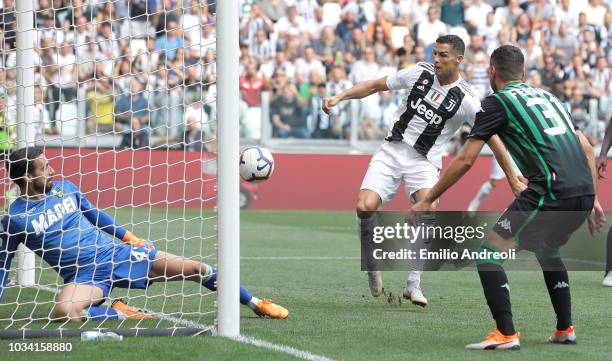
{"points": [[122, 97]]}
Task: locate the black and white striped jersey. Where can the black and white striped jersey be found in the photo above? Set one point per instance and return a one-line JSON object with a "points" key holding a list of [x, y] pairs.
{"points": [[430, 113]]}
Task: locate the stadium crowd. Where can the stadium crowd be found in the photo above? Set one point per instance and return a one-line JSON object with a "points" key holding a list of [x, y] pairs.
{"points": [[146, 68]]}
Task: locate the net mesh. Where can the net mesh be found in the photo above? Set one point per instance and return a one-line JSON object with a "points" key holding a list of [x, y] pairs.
{"points": [[124, 106]]}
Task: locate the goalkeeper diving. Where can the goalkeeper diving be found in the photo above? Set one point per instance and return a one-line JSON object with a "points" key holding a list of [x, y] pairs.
{"points": [[56, 221]]}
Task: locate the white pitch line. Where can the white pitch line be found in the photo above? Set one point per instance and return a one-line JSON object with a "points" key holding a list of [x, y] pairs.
{"points": [[161, 316], [304, 355]]}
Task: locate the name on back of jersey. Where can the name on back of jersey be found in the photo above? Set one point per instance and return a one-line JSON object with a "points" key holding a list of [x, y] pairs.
{"points": [[52, 215]]}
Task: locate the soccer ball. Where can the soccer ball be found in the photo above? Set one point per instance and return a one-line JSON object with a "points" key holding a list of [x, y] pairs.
{"points": [[256, 164]]}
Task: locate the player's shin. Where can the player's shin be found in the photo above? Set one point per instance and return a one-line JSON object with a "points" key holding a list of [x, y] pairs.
{"points": [[496, 290], [367, 222], [557, 283], [422, 243]]}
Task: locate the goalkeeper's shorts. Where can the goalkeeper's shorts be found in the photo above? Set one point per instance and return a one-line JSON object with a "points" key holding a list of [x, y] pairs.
{"points": [[129, 268]]}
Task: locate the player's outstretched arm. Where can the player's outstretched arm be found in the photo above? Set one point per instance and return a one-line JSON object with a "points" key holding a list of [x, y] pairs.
{"points": [[501, 154], [107, 223], [358, 91], [602, 160]]}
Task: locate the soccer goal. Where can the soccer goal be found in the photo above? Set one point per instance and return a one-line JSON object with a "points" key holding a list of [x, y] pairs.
{"points": [[130, 106]]}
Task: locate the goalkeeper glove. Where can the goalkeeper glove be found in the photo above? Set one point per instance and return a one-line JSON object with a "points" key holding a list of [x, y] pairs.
{"points": [[135, 241]]}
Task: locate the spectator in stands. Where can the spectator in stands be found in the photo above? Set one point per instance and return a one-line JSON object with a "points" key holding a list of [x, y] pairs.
{"points": [[568, 12], [452, 12], [99, 94], [344, 29], [132, 111], [369, 128], [533, 55], [40, 117], [594, 11], [307, 65], [550, 72], [540, 11], [171, 40], [323, 125], [431, 28], [315, 26], [328, 45], [251, 86], [564, 44], [8, 23], [356, 46], [478, 75], [602, 77], [63, 80], [382, 45], [476, 46], [263, 49], [291, 23], [476, 16], [366, 68], [192, 139], [286, 113], [273, 9], [388, 109], [521, 30], [397, 10]]}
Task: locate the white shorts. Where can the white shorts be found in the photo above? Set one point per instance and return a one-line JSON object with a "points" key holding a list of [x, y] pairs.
{"points": [[498, 173], [394, 162]]}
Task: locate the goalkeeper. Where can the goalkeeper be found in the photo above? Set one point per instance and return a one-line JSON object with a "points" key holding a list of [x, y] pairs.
{"points": [[57, 222]]}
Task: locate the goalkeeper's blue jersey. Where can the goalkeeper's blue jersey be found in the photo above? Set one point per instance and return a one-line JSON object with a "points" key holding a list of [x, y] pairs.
{"points": [[57, 228]]}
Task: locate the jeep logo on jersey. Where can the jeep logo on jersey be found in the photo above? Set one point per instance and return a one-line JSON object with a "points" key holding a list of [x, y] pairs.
{"points": [[424, 111]]}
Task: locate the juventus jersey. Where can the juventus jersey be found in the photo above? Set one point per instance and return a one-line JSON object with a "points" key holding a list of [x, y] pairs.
{"points": [[431, 113]]}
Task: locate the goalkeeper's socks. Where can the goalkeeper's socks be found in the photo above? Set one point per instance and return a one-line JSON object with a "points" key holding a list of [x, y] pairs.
{"points": [[497, 292], [557, 282], [211, 284], [100, 313], [253, 303]]}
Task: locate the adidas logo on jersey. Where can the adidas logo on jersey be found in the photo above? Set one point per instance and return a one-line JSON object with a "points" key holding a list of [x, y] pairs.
{"points": [[423, 110], [561, 284]]}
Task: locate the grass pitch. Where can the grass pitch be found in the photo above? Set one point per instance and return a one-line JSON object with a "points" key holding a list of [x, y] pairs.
{"points": [[308, 261]]}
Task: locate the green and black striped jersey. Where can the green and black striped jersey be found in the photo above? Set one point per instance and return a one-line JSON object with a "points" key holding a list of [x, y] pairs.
{"points": [[540, 136]]}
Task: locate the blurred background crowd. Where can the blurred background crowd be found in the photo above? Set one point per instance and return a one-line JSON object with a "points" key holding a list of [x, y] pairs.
{"points": [[146, 69]]}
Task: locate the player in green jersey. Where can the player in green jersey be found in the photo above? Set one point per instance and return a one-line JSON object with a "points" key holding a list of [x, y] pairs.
{"points": [[558, 161]]}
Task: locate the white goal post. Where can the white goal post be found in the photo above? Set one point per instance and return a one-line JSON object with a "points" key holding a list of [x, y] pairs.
{"points": [[196, 217]]}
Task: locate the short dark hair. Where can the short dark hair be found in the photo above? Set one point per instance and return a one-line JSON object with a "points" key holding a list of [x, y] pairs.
{"points": [[21, 161], [456, 43], [508, 62]]}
